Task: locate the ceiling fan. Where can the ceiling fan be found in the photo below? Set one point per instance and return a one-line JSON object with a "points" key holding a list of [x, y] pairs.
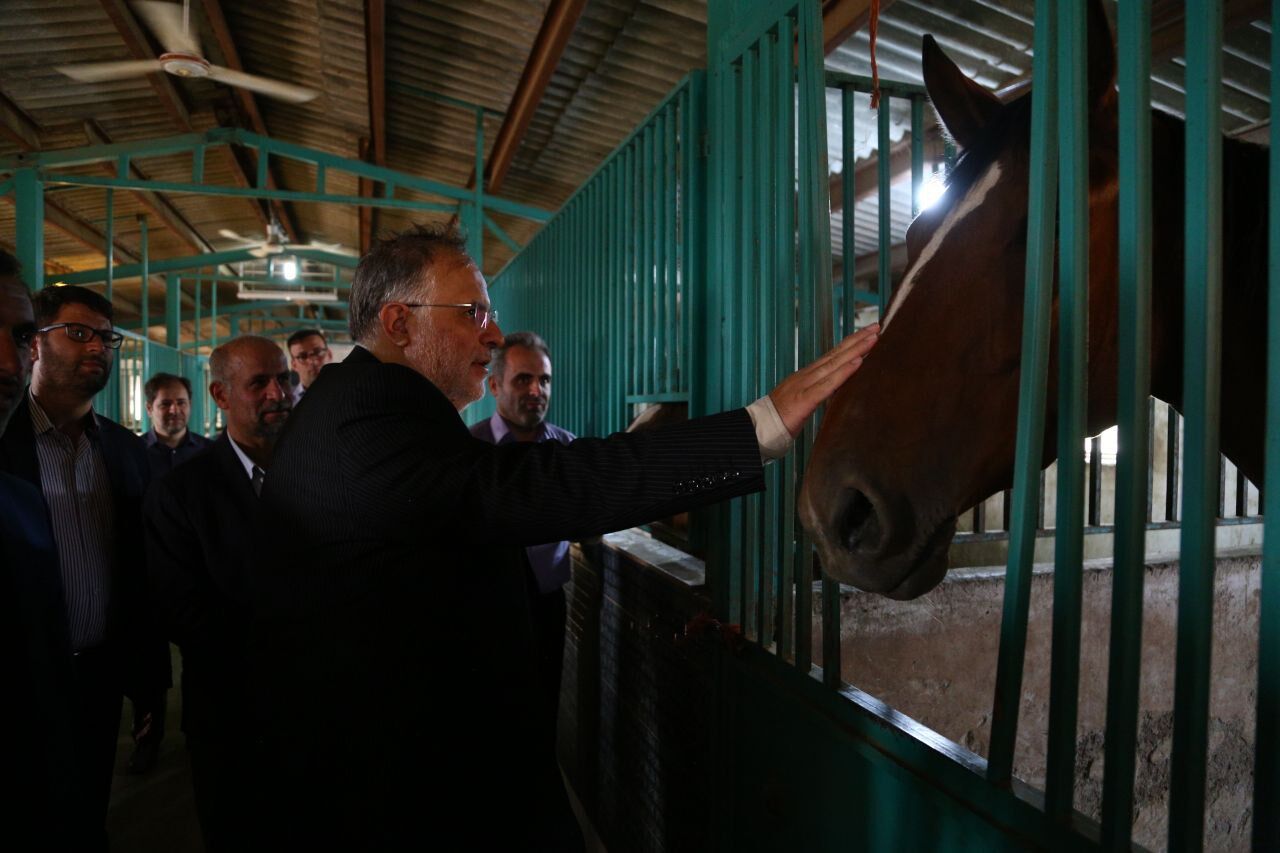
{"points": [[277, 242], [182, 58]]}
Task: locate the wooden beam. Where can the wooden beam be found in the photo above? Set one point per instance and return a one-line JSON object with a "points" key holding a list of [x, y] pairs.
{"points": [[17, 126], [160, 207], [557, 25], [373, 148], [843, 18], [249, 105]]}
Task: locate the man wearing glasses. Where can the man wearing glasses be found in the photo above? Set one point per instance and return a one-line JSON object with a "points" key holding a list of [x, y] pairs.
{"points": [[403, 695], [308, 352], [91, 473]]}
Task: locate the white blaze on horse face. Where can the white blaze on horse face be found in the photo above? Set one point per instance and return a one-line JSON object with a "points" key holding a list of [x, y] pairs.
{"points": [[976, 195]]}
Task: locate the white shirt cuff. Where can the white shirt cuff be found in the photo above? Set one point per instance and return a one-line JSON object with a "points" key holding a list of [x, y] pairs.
{"points": [[775, 442]]}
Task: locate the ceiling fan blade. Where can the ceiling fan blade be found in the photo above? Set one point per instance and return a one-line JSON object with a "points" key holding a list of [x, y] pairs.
{"points": [[228, 234], [262, 85], [165, 22], [98, 72], [262, 251]]}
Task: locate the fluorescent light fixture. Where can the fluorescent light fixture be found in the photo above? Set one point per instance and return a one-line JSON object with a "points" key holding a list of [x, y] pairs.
{"points": [[249, 291], [289, 269]]}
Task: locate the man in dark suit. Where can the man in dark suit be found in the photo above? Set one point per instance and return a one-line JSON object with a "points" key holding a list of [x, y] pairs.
{"points": [[37, 801], [200, 523], [91, 474], [400, 672]]}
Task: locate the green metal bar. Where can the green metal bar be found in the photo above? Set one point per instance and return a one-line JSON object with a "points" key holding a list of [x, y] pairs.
{"points": [[145, 300], [263, 157], [1266, 770], [109, 250], [670, 199], [213, 311], [662, 154], [475, 236], [1031, 399], [233, 321], [735, 166], [647, 281], [172, 309], [884, 280], [249, 192], [322, 175], [1133, 23], [197, 165], [99, 153], [793, 595], [849, 249], [748, 288], [766, 190], [197, 331], [1200, 370], [815, 261], [28, 217], [6, 187], [1073, 319], [501, 235], [862, 83], [917, 152]]}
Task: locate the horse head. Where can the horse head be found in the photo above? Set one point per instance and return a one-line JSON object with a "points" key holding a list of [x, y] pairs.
{"points": [[927, 428]]}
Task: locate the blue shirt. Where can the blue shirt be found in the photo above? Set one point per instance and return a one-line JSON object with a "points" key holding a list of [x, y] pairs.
{"points": [[550, 562], [163, 457]]}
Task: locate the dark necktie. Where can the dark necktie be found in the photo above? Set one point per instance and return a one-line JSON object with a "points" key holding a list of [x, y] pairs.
{"points": [[256, 480]]}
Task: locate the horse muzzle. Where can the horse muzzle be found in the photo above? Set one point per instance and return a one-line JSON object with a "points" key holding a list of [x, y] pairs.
{"points": [[874, 541]]}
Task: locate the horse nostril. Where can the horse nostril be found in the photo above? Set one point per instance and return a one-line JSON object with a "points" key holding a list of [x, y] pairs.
{"points": [[858, 522]]}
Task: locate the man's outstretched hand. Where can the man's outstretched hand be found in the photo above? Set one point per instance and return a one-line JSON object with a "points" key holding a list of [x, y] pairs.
{"points": [[797, 396]]}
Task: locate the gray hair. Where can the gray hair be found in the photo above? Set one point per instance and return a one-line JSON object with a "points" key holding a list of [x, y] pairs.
{"points": [[393, 270], [528, 340], [221, 358]]}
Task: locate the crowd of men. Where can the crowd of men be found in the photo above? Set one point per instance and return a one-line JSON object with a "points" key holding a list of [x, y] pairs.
{"points": [[368, 597]]}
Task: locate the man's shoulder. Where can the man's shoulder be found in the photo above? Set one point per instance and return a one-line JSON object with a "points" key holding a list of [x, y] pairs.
{"points": [[209, 467], [483, 430], [558, 433]]}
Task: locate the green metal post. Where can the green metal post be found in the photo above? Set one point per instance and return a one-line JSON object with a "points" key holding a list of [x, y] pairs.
{"points": [[917, 152], [848, 187], [1266, 772], [1073, 318], [213, 312], [793, 580], [475, 230], [1031, 399], [110, 248], [29, 219], [1132, 468], [172, 309], [144, 298], [1200, 371]]}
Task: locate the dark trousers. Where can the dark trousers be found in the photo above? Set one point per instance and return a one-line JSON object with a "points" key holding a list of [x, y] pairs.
{"points": [[550, 614], [97, 723], [223, 780]]}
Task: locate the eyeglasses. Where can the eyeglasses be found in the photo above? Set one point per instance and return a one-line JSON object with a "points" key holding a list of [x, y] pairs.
{"points": [[477, 311], [82, 334], [311, 355]]}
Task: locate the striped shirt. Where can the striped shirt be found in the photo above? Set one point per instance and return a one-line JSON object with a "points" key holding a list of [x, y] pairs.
{"points": [[77, 490]]}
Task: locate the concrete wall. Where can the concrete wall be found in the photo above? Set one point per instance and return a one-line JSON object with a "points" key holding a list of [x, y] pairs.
{"points": [[934, 660]]}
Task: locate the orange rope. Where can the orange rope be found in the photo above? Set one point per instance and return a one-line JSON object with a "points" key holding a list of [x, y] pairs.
{"points": [[875, 70]]}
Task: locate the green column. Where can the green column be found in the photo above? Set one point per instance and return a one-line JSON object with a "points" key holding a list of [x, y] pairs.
{"points": [[29, 218], [172, 309]]}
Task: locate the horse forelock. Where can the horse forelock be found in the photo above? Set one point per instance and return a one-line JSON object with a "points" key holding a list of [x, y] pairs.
{"points": [[976, 195]]}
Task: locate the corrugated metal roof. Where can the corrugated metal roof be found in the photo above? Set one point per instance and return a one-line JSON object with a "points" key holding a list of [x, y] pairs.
{"points": [[622, 58]]}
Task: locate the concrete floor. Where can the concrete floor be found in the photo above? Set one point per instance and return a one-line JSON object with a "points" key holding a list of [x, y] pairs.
{"points": [[155, 812]]}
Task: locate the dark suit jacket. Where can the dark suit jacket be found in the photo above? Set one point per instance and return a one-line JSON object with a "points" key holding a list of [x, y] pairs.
{"points": [[199, 522], [36, 671], [402, 677], [141, 654]]}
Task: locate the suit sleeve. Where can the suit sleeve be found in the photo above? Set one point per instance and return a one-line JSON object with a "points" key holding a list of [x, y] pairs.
{"points": [[184, 609], [418, 466]]}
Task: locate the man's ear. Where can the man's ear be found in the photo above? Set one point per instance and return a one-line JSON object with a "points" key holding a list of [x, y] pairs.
{"points": [[394, 322], [493, 385], [218, 392]]}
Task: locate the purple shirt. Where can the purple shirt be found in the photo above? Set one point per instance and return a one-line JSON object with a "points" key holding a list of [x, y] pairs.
{"points": [[550, 562]]}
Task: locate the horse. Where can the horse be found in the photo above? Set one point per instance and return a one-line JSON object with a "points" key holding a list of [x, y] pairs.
{"points": [[927, 428]]}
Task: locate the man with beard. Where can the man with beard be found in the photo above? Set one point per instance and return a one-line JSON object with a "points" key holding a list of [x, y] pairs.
{"points": [[308, 352], [520, 381], [92, 474], [37, 802], [169, 443], [201, 522]]}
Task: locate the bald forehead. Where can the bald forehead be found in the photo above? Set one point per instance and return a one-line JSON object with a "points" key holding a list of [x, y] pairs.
{"points": [[253, 354]]}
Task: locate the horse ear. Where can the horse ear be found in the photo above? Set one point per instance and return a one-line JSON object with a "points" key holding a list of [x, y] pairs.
{"points": [[964, 106], [1102, 55]]}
